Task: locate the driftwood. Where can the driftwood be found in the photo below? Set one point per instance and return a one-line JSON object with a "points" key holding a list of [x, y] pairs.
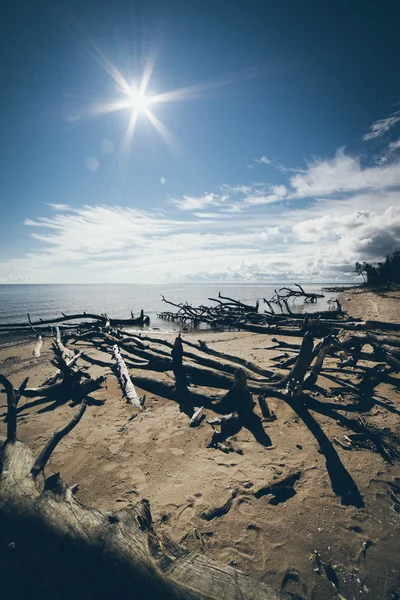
{"points": [[68, 381], [65, 352], [38, 347], [312, 378], [126, 382], [197, 417], [53, 543], [110, 540], [229, 313], [285, 293], [82, 322], [101, 319]]}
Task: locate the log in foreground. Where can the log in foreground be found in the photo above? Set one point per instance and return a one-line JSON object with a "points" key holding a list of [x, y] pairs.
{"points": [[126, 382], [62, 549]]}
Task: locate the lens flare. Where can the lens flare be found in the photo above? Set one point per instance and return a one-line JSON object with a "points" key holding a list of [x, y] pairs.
{"points": [[134, 99], [139, 102]]}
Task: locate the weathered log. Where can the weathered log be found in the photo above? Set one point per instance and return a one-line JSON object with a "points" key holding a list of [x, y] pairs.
{"points": [[178, 369], [239, 397], [197, 417], [126, 383], [223, 419], [96, 319], [38, 347], [66, 381], [249, 366], [294, 380], [59, 544], [45, 390], [199, 374], [265, 411], [273, 330], [312, 378], [65, 353], [300, 293], [242, 305]]}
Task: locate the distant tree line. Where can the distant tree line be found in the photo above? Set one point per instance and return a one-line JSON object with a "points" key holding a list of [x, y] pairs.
{"points": [[383, 273]]}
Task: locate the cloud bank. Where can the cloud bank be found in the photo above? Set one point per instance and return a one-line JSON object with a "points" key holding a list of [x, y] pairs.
{"points": [[312, 225]]}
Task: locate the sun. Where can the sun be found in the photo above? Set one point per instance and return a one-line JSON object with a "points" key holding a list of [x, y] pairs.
{"points": [[139, 101]]}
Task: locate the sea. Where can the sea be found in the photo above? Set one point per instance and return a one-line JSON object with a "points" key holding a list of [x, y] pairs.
{"points": [[118, 300]]}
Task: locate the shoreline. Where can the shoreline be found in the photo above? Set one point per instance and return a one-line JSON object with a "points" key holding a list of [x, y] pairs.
{"points": [[118, 460], [156, 324], [370, 305]]}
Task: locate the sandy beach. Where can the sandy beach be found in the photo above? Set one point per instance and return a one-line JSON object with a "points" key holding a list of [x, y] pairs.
{"points": [[117, 461]]}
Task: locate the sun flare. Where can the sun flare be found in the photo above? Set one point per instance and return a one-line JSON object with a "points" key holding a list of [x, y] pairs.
{"points": [[139, 101]]}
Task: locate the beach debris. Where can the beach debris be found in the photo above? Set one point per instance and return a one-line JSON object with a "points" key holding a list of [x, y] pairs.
{"points": [[227, 447], [197, 416], [83, 321], [316, 560], [344, 445], [285, 293], [65, 353], [267, 414], [125, 380], [38, 347], [223, 419], [329, 570]]}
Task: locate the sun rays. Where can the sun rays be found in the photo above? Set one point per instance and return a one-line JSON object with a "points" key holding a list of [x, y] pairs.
{"points": [[133, 97]]}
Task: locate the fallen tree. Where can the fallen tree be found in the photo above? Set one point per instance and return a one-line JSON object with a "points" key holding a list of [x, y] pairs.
{"points": [[54, 544]]}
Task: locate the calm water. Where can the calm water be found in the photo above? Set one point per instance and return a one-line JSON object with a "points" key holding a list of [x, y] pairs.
{"points": [[48, 301]]}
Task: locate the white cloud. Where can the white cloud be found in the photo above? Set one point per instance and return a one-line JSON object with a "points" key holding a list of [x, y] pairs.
{"points": [[382, 126], [362, 233], [277, 193], [343, 173], [395, 145], [114, 244], [194, 203], [314, 226], [272, 162], [59, 206], [210, 215]]}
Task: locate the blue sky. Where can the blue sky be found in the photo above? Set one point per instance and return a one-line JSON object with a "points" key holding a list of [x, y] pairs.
{"points": [[277, 157]]}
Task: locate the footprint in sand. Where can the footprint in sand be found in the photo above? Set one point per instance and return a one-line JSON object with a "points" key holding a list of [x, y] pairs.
{"points": [[248, 544], [183, 519], [181, 516]]}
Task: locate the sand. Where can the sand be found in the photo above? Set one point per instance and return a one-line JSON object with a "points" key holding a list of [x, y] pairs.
{"points": [[379, 306], [118, 461]]}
